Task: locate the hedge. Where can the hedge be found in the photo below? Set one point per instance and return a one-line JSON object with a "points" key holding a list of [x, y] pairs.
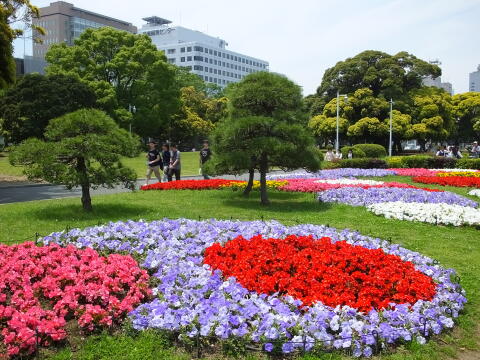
{"points": [[372, 150], [357, 152]]}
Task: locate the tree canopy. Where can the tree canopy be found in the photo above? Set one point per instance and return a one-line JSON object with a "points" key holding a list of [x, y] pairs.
{"points": [[28, 106], [124, 70], [265, 128], [82, 148]]}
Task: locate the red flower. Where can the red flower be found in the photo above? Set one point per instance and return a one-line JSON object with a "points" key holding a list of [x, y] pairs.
{"points": [[458, 181], [318, 270], [189, 184]]}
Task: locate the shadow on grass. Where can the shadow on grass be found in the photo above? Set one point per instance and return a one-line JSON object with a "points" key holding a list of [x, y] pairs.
{"points": [[101, 211], [282, 202]]}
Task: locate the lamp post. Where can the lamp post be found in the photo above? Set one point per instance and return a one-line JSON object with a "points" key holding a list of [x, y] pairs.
{"points": [[337, 142], [132, 109], [391, 120]]}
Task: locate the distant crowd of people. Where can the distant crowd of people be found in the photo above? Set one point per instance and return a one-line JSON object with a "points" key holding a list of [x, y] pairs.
{"points": [[168, 161], [454, 151], [331, 156]]}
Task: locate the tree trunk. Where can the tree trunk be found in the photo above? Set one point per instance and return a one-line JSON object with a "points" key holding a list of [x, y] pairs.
{"points": [[251, 174], [85, 184], [263, 180]]}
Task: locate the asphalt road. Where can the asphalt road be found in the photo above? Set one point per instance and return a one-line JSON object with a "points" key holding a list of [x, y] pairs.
{"points": [[12, 193]]}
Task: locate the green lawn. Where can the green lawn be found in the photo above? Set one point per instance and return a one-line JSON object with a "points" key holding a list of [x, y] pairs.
{"points": [[458, 248], [189, 165]]}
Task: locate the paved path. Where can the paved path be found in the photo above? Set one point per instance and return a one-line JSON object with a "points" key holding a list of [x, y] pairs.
{"points": [[11, 192]]}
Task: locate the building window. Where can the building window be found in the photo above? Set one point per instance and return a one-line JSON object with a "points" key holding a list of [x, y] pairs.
{"points": [[198, 58], [189, 58], [206, 69], [210, 51], [211, 71], [171, 51], [171, 60], [182, 59], [198, 67], [211, 61], [215, 62], [223, 64], [215, 52], [188, 67], [206, 51], [215, 71], [189, 49], [211, 80], [198, 48], [182, 50]]}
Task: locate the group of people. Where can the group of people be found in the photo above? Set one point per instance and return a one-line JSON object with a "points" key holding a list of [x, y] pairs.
{"points": [[167, 161], [449, 152], [331, 156]]}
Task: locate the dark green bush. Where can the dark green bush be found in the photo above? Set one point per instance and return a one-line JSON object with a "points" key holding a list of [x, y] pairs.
{"points": [[372, 150], [416, 161], [441, 162], [357, 153], [467, 163], [364, 163]]}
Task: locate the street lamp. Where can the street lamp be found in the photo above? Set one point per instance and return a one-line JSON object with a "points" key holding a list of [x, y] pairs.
{"points": [[337, 143], [132, 109], [391, 118]]}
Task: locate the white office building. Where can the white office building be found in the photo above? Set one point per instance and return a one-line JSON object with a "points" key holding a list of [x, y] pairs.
{"points": [[474, 80], [437, 82], [204, 55]]}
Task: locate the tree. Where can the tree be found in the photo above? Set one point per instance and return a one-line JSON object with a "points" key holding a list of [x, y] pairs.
{"points": [[265, 127], [326, 127], [82, 148], [391, 76], [11, 12], [466, 110], [123, 69], [368, 129], [27, 107], [401, 128]]}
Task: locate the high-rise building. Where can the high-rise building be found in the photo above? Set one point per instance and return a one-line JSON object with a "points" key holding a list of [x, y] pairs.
{"points": [[474, 80], [437, 82], [64, 23], [204, 55]]}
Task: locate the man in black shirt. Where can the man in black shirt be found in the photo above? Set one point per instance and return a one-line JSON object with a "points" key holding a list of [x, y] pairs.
{"points": [[166, 156], [205, 154], [154, 163]]}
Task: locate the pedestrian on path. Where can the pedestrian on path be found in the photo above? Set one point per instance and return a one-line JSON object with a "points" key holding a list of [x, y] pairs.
{"points": [[166, 156], [175, 163], [154, 163], [205, 154]]}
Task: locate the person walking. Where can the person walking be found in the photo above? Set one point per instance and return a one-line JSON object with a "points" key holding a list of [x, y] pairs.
{"points": [[475, 150], [442, 151], [154, 162], [167, 176], [350, 154], [205, 154], [175, 163]]}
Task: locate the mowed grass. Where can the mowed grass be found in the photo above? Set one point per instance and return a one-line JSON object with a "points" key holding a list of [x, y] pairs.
{"points": [[190, 162], [457, 248]]}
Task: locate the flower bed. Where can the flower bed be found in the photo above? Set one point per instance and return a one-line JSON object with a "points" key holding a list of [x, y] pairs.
{"points": [[41, 288], [333, 174], [414, 172], [192, 300], [241, 185], [358, 196], [459, 173], [318, 270], [474, 192], [457, 181], [430, 213], [190, 184]]}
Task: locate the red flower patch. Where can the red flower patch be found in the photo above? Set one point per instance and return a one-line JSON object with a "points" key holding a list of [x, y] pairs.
{"points": [[318, 270], [43, 287], [458, 181], [190, 184]]}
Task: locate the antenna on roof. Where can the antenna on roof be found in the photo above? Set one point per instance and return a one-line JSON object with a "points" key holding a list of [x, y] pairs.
{"points": [[155, 20]]}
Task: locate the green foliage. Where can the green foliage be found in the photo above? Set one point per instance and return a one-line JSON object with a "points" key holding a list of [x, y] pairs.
{"points": [[416, 161], [391, 76], [466, 163], [441, 162], [466, 108], [395, 162], [27, 107], [11, 12], [82, 148], [123, 69], [357, 152], [265, 128], [372, 150], [326, 127]]}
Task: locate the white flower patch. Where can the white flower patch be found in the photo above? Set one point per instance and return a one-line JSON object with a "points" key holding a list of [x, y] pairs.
{"points": [[430, 213], [475, 192], [350, 182]]}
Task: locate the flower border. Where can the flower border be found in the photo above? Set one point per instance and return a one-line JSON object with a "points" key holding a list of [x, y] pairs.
{"points": [[192, 302]]}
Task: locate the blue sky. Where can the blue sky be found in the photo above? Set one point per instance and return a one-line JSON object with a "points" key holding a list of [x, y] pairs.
{"points": [[303, 38]]}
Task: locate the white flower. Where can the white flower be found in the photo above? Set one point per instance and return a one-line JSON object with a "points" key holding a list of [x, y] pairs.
{"points": [[475, 192], [430, 213], [350, 182]]}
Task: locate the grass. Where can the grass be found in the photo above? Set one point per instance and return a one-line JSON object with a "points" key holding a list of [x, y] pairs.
{"points": [[455, 247], [189, 165]]}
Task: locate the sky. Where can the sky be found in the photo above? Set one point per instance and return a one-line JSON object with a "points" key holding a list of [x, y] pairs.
{"points": [[303, 38]]}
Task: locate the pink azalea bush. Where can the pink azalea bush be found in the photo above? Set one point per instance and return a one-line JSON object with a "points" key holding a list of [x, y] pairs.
{"points": [[41, 288]]}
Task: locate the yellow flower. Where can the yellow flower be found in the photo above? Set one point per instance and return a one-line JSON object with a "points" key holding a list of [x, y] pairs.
{"points": [[459, 173], [271, 184]]}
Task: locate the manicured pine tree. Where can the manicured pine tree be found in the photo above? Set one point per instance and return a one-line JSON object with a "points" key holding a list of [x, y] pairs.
{"points": [[265, 128]]}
